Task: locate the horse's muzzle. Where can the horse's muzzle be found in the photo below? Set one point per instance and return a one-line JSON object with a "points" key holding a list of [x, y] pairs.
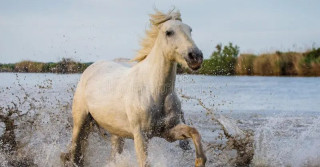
{"points": [[194, 59]]}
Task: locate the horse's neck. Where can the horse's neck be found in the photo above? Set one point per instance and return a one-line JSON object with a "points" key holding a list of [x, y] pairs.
{"points": [[162, 72]]}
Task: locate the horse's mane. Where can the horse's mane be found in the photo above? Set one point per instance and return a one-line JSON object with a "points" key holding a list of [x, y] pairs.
{"points": [[156, 21]]}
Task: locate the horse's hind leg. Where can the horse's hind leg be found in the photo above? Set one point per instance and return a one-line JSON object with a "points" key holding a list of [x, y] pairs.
{"points": [[79, 139], [182, 132], [81, 125], [117, 144]]}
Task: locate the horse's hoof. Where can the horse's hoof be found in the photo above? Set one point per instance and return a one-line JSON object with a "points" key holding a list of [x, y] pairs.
{"points": [[200, 162], [65, 159]]}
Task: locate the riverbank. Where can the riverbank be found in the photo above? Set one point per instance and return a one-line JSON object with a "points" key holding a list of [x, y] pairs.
{"points": [[65, 66], [267, 64]]}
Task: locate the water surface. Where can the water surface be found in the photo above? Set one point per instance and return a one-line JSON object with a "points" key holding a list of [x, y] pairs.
{"points": [[282, 112]]}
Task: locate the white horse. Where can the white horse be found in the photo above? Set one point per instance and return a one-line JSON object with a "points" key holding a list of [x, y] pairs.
{"points": [[139, 102]]}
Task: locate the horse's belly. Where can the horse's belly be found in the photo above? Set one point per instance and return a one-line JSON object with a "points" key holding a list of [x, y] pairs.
{"points": [[115, 122]]}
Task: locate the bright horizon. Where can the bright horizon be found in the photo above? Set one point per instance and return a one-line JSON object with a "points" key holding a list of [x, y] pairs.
{"points": [[86, 31]]}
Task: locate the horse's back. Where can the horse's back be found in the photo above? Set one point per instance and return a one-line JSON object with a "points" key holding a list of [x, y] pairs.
{"points": [[101, 78], [102, 69]]}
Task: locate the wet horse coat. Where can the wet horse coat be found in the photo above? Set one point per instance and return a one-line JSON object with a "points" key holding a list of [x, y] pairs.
{"points": [[139, 102]]}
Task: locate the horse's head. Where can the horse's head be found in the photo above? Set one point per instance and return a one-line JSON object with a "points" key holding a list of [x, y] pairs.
{"points": [[177, 41]]}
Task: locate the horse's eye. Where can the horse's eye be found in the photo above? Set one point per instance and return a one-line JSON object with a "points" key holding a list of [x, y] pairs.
{"points": [[169, 33]]}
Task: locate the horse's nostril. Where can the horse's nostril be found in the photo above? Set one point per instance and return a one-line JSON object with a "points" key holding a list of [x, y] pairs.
{"points": [[191, 56]]}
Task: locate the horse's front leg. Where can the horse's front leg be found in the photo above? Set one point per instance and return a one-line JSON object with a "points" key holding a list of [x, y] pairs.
{"points": [[141, 146], [181, 132], [184, 144]]}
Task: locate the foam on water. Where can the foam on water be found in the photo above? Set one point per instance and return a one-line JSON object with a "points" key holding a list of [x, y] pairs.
{"points": [[288, 141], [45, 131]]}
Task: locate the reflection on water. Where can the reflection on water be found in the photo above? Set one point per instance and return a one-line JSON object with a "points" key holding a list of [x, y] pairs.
{"points": [[283, 113]]}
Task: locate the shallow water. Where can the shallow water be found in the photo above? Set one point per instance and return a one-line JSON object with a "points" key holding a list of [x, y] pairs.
{"points": [[283, 113]]}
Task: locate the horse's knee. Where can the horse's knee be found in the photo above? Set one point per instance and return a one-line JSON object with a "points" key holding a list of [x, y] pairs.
{"points": [[193, 131], [182, 132]]}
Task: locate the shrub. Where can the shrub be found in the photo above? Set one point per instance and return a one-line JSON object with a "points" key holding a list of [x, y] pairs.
{"points": [[6, 67], [245, 64], [315, 68], [64, 66], [262, 65], [209, 67], [222, 61], [69, 66], [309, 64], [277, 64], [288, 62], [28, 66]]}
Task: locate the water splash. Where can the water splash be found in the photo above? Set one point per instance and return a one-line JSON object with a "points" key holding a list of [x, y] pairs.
{"points": [[288, 141], [43, 131]]}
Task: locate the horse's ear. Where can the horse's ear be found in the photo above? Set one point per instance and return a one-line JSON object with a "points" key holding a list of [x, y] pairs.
{"points": [[175, 15]]}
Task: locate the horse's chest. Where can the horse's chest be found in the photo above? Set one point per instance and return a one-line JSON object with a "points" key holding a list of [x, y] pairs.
{"points": [[163, 117], [157, 114]]}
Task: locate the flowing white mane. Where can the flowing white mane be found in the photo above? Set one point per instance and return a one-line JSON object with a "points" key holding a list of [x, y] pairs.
{"points": [[156, 21]]}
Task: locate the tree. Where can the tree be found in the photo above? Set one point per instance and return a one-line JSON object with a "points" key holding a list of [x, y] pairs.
{"points": [[228, 51], [222, 61]]}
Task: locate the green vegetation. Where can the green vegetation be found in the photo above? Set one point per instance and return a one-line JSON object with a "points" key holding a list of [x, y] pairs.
{"points": [[310, 63], [64, 66], [222, 61], [7, 67]]}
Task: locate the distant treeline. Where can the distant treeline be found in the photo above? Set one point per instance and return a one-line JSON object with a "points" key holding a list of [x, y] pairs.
{"points": [[225, 60], [64, 66]]}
